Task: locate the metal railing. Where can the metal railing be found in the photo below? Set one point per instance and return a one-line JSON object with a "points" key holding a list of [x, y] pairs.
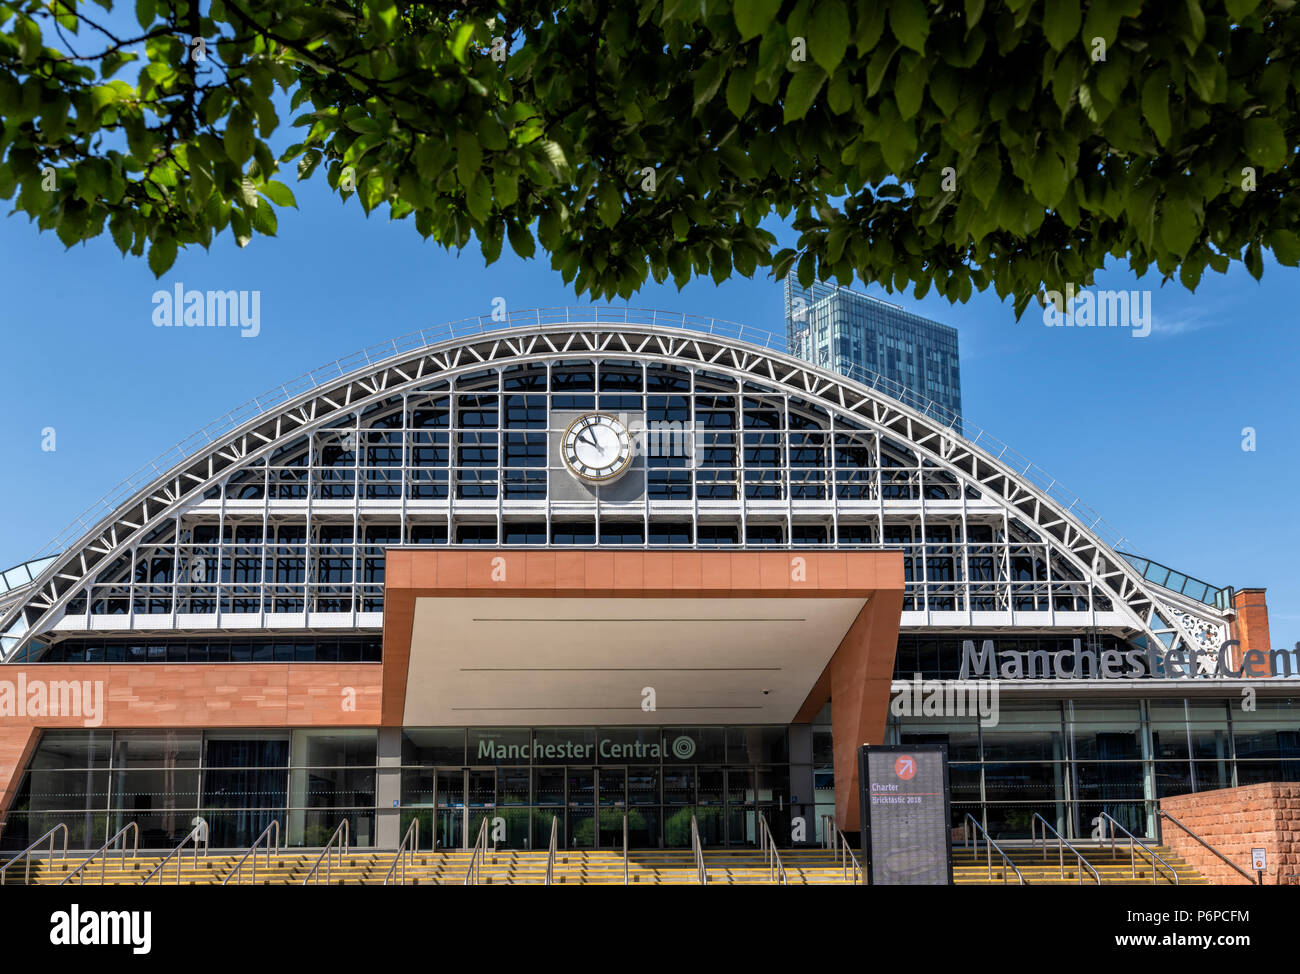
{"points": [[771, 858], [475, 871], [339, 844], [103, 865], [1254, 880], [990, 847], [197, 834], [252, 851], [405, 852], [1061, 846], [625, 870], [834, 840], [27, 853], [1134, 843], [551, 850], [698, 849]]}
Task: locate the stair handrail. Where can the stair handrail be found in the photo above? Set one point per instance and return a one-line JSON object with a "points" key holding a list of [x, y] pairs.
{"points": [[1134, 843], [1161, 813], [698, 849], [771, 857], [1061, 846], [406, 851], [989, 848], [840, 843], [339, 843], [475, 871], [252, 851], [625, 870], [103, 866], [197, 834], [27, 853], [551, 850]]}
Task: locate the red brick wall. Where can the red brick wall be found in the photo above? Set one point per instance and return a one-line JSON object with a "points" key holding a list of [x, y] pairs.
{"points": [[1251, 629], [1234, 821]]}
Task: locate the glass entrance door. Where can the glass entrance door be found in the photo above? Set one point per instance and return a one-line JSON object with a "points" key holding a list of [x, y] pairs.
{"points": [[449, 808], [613, 803], [462, 798], [480, 802], [580, 804]]}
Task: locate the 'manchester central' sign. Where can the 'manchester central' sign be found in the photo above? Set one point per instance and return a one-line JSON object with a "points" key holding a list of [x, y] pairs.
{"points": [[1115, 664]]}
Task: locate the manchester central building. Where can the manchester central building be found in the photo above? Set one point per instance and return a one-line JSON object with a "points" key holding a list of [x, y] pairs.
{"points": [[579, 565]]}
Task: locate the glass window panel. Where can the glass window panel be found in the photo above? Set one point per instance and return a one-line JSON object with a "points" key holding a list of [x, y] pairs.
{"points": [[1106, 731], [72, 749], [331, 748], [1020, 782], [961, 735], [433, 746], [761, 745], [643, 785], [1258, 772], [1108, 780]]}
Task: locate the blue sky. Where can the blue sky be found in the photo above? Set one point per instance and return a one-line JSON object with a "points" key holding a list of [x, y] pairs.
{"points": [[1146, 431]]}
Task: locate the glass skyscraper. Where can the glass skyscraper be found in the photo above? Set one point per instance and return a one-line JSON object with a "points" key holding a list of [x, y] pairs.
{"points": [[848, 332]]}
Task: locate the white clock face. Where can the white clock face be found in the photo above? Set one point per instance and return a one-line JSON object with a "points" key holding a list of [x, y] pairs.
{"points": [[597, 448]]}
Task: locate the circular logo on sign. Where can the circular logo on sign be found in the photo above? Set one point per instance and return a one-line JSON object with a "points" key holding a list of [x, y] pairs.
{"points": [[905, 767], [683, 748]]}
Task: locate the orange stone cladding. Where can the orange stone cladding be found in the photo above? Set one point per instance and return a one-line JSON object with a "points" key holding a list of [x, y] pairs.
{"points": [[858, 675], [196, 695], [1235, 821]]}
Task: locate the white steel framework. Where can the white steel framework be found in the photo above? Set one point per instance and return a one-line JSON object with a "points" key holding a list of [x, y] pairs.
{"points": [[281, 523]]}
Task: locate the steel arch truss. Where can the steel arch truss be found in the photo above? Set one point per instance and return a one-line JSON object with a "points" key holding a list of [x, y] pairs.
{"points": [[1163, 618]]}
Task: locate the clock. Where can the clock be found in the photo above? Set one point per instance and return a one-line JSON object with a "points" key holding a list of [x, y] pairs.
{"points": [[596, 448]]}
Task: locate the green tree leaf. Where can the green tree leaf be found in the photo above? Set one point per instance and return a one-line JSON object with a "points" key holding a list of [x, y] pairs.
{"points": [[1061, 22], [1266, 144], [910, 23], [1285, 246], [828, 34], [162, 254], [802, 91], [278, 193], [469, 157], [754, 16], [239, 136], [1155, 104]]}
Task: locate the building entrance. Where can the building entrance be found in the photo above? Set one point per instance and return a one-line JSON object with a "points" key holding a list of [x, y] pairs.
{"points": [[588, 804]]}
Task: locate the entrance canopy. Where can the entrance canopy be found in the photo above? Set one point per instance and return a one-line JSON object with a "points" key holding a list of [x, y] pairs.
{"points": [[537, 638]]}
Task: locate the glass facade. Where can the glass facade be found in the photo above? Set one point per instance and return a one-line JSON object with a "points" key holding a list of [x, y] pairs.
{"points": [[852, 333], [1065, 759], [237, 780], [1071, 759], [587, 778], [450, 778]]}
